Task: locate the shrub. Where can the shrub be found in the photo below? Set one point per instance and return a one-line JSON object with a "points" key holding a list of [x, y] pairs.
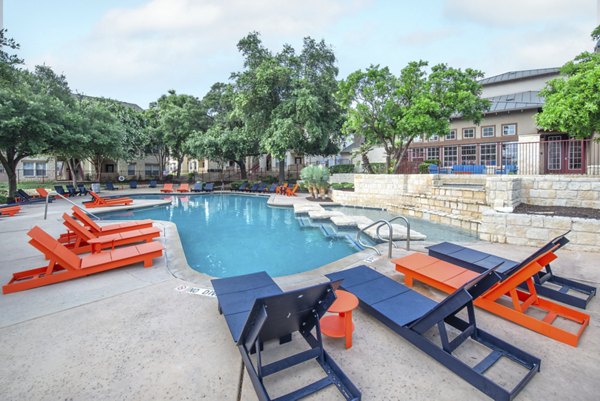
{"points": [[348, 186], [424, 167], [342, 169]]}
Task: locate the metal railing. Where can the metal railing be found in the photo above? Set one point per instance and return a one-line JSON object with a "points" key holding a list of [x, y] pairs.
{"points": [[391, 236], [380, 222], [68, 200]]}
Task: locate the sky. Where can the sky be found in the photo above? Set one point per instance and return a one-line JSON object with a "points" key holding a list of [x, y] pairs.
{"points": [[137, 50]]}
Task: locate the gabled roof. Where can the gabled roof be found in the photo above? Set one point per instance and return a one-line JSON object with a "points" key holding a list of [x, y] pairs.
{"points": [[516, 75], [516, 101]]}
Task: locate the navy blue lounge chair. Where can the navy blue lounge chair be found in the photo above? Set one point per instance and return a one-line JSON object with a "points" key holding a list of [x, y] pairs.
{"points": [[60, 190], [197, 187], [433, 169], [110, 186], [209, 187], [257, 310], [133, 184], [26, 198], [82, 189], [243, 186], [411, 315], [72, 190], [261, 187], [272, 188], [546, 283], [152, 184], [253, 188]]}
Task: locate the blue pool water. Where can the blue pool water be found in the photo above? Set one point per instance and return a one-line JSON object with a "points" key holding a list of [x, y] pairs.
{"points": [[228, 235]]}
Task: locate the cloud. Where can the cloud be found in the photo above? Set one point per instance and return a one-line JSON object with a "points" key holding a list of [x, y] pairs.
{"points": [[420, 38], [510, 13], [172, 43]]}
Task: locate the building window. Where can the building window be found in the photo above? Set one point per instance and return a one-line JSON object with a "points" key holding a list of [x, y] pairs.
{"points": [[34, 169], [131, 169], [151, 170], [192, 166], [451, 135], [450, 156], [575, 155], [298, 160], [488, 132], [434, 138], [468, 154], [488, 154], [510, 151], [109, 168], [416, 154], [433, 153], [509, 129], [468, 133]]}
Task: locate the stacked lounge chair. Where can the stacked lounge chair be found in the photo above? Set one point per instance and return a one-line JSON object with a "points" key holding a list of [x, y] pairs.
{"points": [[98, 201], [257, 310]]}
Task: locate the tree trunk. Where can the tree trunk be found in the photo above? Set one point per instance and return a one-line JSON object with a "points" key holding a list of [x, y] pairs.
{"points": [[281, 170], [73, 168], [367, 163], [243, 172], [10, 162], [179, 163]]}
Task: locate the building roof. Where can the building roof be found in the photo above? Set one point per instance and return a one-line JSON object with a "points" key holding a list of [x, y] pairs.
{"points": [[516, 101], [516, 75], [354, 145]]}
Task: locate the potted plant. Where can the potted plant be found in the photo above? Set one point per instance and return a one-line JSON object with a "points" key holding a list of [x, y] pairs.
{"points": [[309, 178]]}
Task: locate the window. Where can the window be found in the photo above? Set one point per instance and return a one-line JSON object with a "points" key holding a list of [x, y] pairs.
{"points": [[510, 151], [451, 135], [450, 156], [192, 166], [109, 168], [433, 153], [509, 129], [416, 154], [468, 133], [298, 160], [434, 138], [34, 169], [575, 155], [488, 132], [488, 154], [131, 169], [468, 154], [151, 170]]}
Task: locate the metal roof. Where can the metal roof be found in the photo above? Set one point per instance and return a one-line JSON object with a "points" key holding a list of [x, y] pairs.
{"points": [[515, 75], [516, 101]]}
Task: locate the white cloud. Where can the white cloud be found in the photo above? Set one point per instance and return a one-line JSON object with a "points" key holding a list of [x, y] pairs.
{"points": [[420, 38], [509, 13], [177, 41]]}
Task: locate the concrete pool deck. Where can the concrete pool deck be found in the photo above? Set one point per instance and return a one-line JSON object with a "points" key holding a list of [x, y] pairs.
{"points": [[141, 334]]}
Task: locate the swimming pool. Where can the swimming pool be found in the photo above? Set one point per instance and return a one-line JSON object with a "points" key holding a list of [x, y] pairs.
{"points": [[226, 235], [434, 232]]}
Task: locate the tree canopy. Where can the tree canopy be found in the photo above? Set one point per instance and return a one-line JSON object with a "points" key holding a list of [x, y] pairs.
{"points": [[392, 111], [572, 101]]}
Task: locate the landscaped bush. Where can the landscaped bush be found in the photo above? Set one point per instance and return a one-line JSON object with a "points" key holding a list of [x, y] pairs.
{"points": [[342, 169], [343, 186], [235, 185], [316, 179], [424, 167], [378, 168]]}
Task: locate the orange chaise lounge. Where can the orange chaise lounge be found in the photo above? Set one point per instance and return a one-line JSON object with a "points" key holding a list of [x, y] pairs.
{"points": [[83, 240], [504, 299], [108, 229], [167, 188], [10, 210], [184, 188], [98, 201], [65, 265]]}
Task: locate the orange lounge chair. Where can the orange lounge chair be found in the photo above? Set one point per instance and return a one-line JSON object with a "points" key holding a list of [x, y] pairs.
{"points": [[282, 188], [167, 188], [64, 264], [10, 210], [292, 191], [183, 188], [105, 202], [43, 193], [109, 229], [448, 277], [82, 240]]}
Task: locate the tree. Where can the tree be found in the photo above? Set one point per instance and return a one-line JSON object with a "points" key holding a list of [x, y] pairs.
{"points": [[155, 139], [392, 111], [226, 137], [287, 99], [8, 62], [572, 101], [32, 116], [178, 117]]}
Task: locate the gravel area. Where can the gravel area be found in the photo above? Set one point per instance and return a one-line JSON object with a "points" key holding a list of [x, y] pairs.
{"points": [[583, 212]]}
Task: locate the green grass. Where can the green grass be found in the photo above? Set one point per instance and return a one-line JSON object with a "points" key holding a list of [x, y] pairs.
{"points": [[23, 185]]}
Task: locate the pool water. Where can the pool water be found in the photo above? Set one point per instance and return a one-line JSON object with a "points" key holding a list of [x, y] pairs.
{"points": [[226, 235], [434, 232]]}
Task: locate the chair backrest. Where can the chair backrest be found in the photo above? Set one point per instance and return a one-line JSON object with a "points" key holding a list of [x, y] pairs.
{"points": [[433, 169], [53, 249], [42, 191], [152, 184], [109, 185], [82, 189], [198, 186], [133, 184], [85, 219], [75, 226], [295, 188], [184, 187], [273, 187], [168, 186], [96, 197], [59, 189], [23, 194], [209, 186]]}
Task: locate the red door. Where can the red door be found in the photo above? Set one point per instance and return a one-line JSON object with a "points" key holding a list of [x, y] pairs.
{"points": [[564, 156]]}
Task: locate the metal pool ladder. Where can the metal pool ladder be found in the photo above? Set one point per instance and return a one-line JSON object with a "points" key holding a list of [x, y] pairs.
{"points": [[390, 240]]}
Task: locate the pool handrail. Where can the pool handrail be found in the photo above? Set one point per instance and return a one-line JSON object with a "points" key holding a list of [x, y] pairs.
{"points": [[71, 202], [391, 238], [381, 222]]}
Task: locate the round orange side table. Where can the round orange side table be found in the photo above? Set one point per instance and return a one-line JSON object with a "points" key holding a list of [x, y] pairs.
{"points": [[340, 325]]}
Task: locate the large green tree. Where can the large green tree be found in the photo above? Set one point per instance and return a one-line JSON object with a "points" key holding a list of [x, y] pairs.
{"points": [[179, 116], [226, 137], [392, 111], [572, 101], [287, 99]]}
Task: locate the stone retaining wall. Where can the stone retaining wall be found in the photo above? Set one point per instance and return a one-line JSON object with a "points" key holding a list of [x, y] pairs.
{"points": [[483, 204]]}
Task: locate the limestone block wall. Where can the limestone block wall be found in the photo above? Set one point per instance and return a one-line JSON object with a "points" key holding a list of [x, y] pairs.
{"points": [[339, 178], [503, 193], [533, 230], [561, 190]]}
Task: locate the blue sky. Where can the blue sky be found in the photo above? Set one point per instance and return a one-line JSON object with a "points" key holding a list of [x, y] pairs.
{"points": [[136, 50]]}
